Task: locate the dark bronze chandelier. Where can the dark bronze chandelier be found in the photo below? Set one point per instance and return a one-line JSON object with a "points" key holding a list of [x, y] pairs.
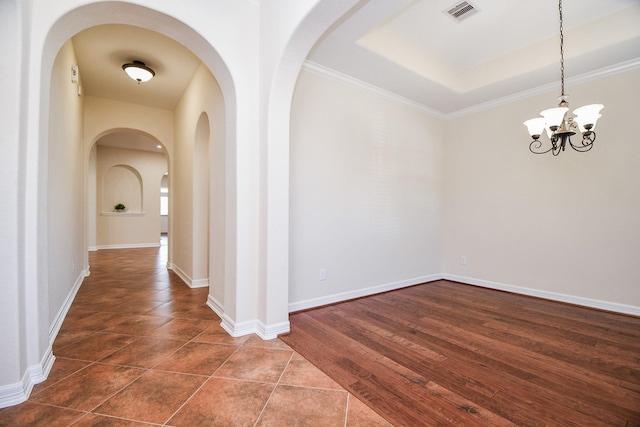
{"points": [[560, 126]]}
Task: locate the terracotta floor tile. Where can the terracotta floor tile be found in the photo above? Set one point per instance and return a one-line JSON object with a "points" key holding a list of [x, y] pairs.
{"points": [[144, 352], [75, 314], [134, 306], [36, 414], [69, 336], [173, 360], [197, 358], [255, 364], [215, 334], [171, 309], [360, 415], [201, 311], [256, 341], [302, 406], [89, 387], [95, 322], [153, 398], [61, 369], [301, 372], [138, 325], [224, 402], [182, 329], [93, 420], [95, 346]]}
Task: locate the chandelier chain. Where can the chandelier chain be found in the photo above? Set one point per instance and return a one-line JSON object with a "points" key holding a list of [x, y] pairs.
{"points": [[561, 50]]}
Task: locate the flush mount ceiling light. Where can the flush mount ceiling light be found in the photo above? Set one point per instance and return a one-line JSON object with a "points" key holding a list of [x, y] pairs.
{"points": [[560, 126], [138, 71]]}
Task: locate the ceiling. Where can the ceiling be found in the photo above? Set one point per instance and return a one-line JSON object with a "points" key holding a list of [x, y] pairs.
{"points": [[409, 48]]}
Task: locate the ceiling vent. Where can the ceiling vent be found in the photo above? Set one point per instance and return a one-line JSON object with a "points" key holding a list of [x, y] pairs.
{"points": [[461, 11]]}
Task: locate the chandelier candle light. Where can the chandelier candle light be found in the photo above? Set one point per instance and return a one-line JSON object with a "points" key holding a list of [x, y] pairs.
{"points": [[557, 122]]}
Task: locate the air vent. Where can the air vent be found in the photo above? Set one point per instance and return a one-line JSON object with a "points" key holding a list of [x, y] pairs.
{"points": [[461, 11]]}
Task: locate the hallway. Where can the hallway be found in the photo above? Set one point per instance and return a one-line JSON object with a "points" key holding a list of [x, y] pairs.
{"points": [[138, 347]]}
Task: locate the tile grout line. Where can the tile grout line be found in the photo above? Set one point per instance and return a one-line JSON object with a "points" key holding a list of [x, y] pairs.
{"points": [[346, 411], [274, 388], [203, 383]]}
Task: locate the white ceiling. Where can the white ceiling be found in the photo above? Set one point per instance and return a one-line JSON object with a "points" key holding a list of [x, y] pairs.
{"points": [[414, 50], [408, 48]]}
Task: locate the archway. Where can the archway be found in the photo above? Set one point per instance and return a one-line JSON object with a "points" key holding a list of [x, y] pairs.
{"points": [[40, 320]]}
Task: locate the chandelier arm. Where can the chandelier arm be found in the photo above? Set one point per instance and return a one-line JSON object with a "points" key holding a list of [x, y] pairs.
{"points": [[587, 142], [536, 145]]}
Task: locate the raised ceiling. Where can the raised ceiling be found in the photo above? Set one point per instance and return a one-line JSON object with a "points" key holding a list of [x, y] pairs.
{"points": [[415, 50], [410, 49]]}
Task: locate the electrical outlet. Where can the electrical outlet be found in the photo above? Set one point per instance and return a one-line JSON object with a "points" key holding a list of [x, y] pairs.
{"points": [[73, 267], [463, 260], [323, 274]]}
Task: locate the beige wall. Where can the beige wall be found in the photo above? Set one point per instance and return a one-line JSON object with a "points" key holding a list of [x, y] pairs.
{"points": [[568, 225], [140, 226], [194, 264], [366, 193], [65, 184]]}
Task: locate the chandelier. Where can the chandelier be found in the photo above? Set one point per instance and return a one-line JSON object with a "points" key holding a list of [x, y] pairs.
{"points": [[560, 126]]}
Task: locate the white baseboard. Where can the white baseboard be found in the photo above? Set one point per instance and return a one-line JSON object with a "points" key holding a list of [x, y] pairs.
{"points": [[197, 283], [129, 246], [93, 248], [215, 305], [55, 326], [266, 332], [14, 394], [554, 296], [238, 329], [359, 293], [270, 332]]}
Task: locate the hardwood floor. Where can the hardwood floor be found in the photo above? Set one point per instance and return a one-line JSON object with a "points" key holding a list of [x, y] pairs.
{"points": [[445, 353]]}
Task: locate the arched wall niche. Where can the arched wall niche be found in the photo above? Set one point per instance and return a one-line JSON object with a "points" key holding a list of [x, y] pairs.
{"points": [[122, 184]]}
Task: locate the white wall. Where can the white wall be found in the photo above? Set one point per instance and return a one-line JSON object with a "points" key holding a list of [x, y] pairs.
{"points": [[366, 193], [65, 183], [12, 305], [566, 225], [202, 96], [141, 227]]}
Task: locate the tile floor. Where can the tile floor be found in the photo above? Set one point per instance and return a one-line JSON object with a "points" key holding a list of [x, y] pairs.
{"points": [[138, 347]]}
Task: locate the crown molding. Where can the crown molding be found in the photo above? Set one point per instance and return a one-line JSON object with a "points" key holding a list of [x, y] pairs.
{"points": [[390, 96], [550, 87], [367, 87]]}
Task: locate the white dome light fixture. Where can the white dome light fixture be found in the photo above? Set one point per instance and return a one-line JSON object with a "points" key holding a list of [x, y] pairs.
{"points": [[559, 124], [138, 71]]}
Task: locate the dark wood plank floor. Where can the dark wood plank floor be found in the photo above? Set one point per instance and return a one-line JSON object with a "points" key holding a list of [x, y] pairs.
{"points": [[445, 353]]}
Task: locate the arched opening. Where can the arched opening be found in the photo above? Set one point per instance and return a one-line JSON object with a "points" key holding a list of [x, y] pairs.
{"points": [[243, 238], [128, 168], [90, 119]]}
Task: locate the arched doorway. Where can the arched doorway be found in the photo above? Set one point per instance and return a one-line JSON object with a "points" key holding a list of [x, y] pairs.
{"points": [[253, 251]]}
